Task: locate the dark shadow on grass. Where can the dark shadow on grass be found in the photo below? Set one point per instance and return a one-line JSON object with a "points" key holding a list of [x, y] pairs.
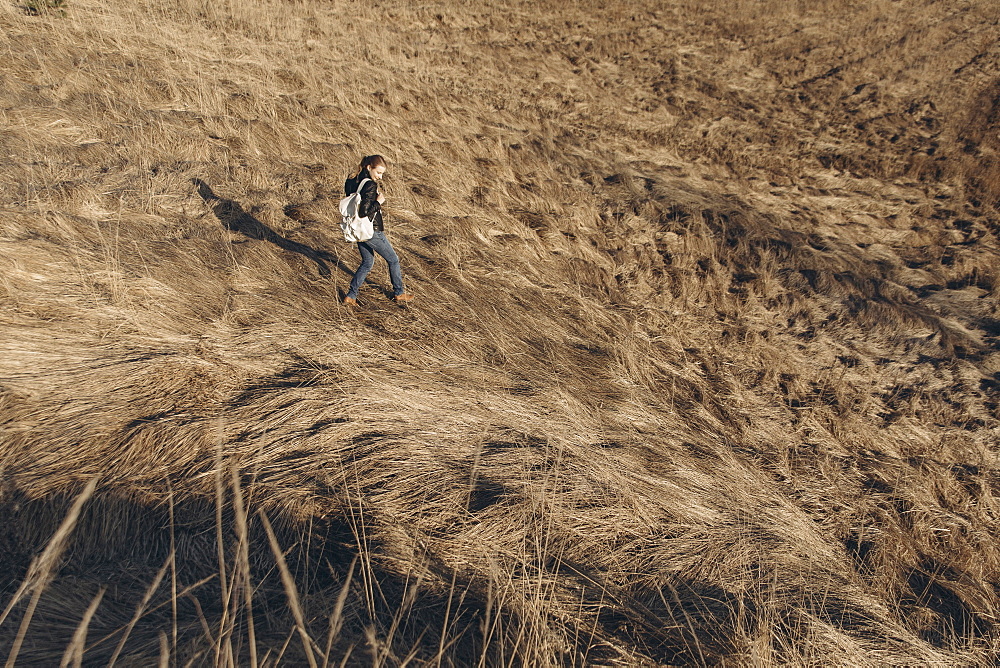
{"points": [[234, 217], [118, 545]]}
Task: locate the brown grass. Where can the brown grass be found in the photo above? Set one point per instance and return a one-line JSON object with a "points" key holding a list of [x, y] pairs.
{"points": [[703, 367]]}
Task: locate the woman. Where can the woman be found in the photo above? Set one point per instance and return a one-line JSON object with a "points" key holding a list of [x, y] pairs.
{"points": [[373, 167]]}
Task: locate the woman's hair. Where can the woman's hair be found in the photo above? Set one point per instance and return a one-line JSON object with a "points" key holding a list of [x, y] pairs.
{"points": [[372, 161]]}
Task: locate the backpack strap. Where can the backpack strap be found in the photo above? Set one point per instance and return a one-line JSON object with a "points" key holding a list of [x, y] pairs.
{"points": [[361, 185]]}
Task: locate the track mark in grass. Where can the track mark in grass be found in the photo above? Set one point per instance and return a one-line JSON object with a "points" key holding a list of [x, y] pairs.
{"points": [[323, 424], [369, 437], [486, 493], [609, 445], [524, 442]]}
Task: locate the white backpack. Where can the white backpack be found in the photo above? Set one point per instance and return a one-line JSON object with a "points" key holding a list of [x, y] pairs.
{"points": [[355, 227]]}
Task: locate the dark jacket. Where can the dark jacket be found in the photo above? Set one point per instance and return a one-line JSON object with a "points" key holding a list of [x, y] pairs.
{"points": [[370, 208]]}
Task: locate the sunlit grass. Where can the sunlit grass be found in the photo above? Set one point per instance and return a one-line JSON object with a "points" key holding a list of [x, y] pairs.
{"points": [[701, 369]]}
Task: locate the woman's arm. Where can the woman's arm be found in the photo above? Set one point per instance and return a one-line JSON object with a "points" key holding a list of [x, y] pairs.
{"points": [[370, 197]]}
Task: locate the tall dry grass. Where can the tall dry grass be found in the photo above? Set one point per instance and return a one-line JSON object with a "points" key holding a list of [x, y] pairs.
{"points": [[703, 368]]}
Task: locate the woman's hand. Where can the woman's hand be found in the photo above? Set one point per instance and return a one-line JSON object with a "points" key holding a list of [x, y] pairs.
{"points": [[381, 198]]}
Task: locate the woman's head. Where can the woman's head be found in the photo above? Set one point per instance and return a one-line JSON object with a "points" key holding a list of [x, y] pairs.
{"points": [[375, 165]]}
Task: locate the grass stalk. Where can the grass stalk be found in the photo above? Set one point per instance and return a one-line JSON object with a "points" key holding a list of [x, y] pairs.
{"points": [[140, 610], [244, 563], [290, 590], [40, 572], [337, 616], [75, 650], [173, 569]]}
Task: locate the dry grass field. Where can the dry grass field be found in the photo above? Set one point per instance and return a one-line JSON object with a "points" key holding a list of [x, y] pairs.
{"points": [[704, 365]]}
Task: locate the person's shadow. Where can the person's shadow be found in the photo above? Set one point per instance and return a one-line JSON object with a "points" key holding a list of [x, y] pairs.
{"points": [[234, 217]]}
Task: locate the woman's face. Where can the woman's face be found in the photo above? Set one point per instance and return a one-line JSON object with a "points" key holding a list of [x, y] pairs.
{"points": [[377, 172]]}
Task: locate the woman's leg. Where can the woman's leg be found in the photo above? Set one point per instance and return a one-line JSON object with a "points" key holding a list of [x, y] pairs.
{"points": [[367, 260], [380, 244]]}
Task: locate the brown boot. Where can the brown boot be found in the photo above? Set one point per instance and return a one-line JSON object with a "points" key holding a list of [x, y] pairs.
{"points": [[350, 301], [403, 298]]}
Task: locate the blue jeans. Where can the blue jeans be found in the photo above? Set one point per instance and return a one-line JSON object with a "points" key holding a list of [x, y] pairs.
{"points": [[377, 244]]}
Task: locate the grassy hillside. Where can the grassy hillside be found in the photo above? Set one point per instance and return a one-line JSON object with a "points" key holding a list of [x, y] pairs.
{"points": [[703, 367]]}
